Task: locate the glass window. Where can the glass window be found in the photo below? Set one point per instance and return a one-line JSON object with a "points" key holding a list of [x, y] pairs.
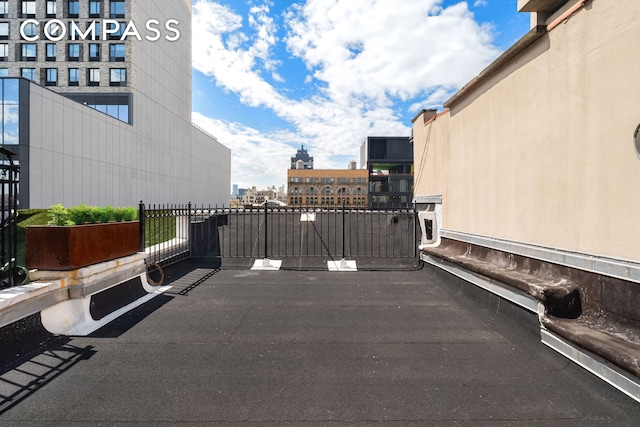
{"points": [[116, 9], [52, 51], [4, 30], [29, 52], [94, 76], [123, 113], [28, 9], [74, 76], [73, 8], [94, 52], [94, 9], [28, 73], [4, 9], [73, 52], [30, 29], [4, 72], [51, 77], [118, 77], [4, 51], [51, 9], [117, 35], [116, 52]]}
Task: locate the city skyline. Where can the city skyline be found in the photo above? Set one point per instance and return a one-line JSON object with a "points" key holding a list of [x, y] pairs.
{"points": [[270, 77]]}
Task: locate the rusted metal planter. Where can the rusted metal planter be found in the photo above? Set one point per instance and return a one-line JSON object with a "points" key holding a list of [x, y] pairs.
{"points": [[72, 247]]}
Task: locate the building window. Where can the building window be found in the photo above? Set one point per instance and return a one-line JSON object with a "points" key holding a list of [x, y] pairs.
{"points": [[118, 77], [95, 7], [4, 52], [119, 30], [52, 51], [94, 52], [30, 29], [4, 72], [74, 76], [51, 9], [93, 76], [4, 31], [28, 73], [116, 52], [29, 52], [73, 52], [51, 77], [28, 9], [4, 9], [116, 9], [73, 9]]}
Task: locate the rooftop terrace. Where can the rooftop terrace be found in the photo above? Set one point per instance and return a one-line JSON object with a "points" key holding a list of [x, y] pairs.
{"points": [[232, 346]]}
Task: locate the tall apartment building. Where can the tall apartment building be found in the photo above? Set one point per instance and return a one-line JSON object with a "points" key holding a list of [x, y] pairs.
{"points": [[102, 95]]}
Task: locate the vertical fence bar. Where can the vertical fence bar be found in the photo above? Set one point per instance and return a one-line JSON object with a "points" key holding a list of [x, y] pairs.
{"points": [[343, 232], [266, 232], [5, 217], [142, 217]]}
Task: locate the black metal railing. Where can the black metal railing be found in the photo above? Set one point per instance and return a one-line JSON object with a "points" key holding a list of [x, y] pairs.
{"points": [[173, 232], [164, 232], [10, 273]]}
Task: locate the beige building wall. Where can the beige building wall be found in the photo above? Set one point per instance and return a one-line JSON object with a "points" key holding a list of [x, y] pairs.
{"points": [[542, 151]]}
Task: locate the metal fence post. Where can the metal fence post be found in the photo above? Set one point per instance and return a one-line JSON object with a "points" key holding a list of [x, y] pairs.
{"points": [[142, 215], [343, 231], [188, 231], [266, 231]]}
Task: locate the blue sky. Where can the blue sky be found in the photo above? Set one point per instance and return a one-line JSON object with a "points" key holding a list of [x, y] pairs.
{"points": [[271, 76]]}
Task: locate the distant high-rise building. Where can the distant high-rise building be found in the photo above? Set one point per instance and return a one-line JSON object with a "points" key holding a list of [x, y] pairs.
{"points": [[302, 160], [95, 114], [389, 161]]}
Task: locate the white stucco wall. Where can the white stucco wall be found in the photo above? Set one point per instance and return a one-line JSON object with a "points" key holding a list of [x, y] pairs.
{"points": [[542, 151]]}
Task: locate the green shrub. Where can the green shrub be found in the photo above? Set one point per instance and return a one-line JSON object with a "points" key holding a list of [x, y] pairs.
{"points": [[107, 214], [83, 214], [125, 214], [59, 216]]}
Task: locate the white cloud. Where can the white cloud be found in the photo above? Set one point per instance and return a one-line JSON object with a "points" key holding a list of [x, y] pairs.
{"points": [[481, 3], [366, 55]]}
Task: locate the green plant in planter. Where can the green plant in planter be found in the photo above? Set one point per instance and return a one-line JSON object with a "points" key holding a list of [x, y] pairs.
{"points": [[83, 214], [59, 216], [125, 214]]}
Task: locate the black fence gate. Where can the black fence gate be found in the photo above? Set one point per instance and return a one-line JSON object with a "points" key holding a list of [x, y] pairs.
{"points": [[239, 236]]}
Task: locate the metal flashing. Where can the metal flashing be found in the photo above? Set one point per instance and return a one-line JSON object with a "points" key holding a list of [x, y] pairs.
{"points": [[593, 363], [619, 268], [419, 200], [510, 294]]}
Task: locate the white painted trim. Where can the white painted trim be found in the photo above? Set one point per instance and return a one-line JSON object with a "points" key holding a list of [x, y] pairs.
{"points": [[619, 268], [73, 317], [593, 363], [419, 200]]}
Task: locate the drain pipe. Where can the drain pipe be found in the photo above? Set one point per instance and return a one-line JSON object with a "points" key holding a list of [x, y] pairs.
{"points": [[573, 9]]}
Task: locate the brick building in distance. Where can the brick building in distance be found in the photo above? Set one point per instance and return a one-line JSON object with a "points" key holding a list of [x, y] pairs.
{"points": [[328, 187]]}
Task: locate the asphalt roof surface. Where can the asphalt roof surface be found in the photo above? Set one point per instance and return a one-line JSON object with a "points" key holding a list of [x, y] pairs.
{"points": [[297, 348]]}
